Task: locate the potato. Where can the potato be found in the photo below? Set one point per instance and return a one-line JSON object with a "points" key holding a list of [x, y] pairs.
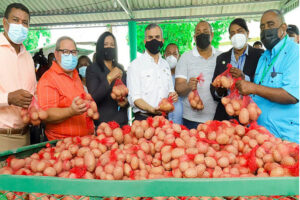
{"points": [[190, 173], [149, 132], [225, 82], [34, 116], [277, 172], [134, 163], [235, 105], [90, 112], [183, 166], [229, 109], [223, 162], [225, 100], [177, 153], [94, 106], [96, 116], [210, 162], [17, 164], [65, 155], [252, 111], [166, 157], [276, 156], [40, 166], [26, 119], [288, 161], [244, 116], [89, 161], [139, 132], [240, 130], [50, 171], [222, 138], [82, 151], [118, 173], [118, 135]]}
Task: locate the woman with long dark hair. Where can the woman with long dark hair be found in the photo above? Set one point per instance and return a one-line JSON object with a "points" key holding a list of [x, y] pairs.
{"points": [[100, 78]]}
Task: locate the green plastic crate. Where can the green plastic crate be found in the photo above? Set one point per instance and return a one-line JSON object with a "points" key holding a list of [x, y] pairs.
{"points": [[283, 186]]}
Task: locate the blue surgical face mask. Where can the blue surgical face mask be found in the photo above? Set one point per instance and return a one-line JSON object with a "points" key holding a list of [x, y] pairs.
{"points": [[82, 71], [17, 33], [68, 62]]}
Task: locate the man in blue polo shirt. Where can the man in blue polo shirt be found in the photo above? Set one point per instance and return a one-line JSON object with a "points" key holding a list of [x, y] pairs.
{"points": [[276, 83]]}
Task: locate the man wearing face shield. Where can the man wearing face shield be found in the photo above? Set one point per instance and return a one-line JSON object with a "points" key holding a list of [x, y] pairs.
{"points": [[149, 77], [172, 56], [202, 59], [243, 58], [17, 77], [59, 89], [276, 83]]}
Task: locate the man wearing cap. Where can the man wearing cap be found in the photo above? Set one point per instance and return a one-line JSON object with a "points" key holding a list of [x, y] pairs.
{"points": [[293, 32], [17, 77], [276, 83]]}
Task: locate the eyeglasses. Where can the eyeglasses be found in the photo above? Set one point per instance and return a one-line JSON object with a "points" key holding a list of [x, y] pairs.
{"points": [[67, 52]]}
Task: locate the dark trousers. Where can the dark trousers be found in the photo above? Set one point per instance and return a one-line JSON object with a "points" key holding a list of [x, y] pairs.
{"points": [[190, 124]]}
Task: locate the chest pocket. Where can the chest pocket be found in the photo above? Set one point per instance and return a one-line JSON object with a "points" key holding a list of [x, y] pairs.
{"points": [[147, 80], [276, 80]]}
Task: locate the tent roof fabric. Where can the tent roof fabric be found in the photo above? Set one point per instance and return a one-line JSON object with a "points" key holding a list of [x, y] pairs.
{"points": [[56, 13]]}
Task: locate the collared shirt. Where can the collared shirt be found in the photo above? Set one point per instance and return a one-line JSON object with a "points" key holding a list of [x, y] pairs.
{"points": [[191, 64], [16, 72], [282, 120], [240, 62], [148, 80], [56, 89]]}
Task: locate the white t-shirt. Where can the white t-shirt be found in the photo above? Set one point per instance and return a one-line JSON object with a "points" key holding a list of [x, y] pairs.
{"points": [[191, 64]]}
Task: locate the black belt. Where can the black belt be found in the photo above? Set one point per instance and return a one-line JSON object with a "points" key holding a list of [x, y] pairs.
{"points": [[145, 114]]}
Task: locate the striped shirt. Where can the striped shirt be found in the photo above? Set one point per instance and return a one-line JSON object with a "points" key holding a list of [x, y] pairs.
{"points": [[56, 89]]}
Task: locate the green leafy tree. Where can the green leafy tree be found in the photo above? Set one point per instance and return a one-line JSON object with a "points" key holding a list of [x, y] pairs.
{"points": [[182, 34], [33, 38]]}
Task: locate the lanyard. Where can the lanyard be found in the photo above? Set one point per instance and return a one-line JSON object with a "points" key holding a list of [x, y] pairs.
{"points": [[267, 69]]}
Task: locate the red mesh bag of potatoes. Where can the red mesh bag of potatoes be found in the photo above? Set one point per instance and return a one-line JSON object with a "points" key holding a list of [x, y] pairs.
{"points": [[34, 114], [166, 105], [119, 91], [242, 106], [225, 79], [194, 97]]}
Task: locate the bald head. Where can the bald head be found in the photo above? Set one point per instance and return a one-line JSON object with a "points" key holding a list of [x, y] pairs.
{"points": [[272, 19], [272, 27]]}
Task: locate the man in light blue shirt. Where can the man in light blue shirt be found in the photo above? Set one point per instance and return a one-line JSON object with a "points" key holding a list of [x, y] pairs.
{"points": [[276, 83], [172, 56]]}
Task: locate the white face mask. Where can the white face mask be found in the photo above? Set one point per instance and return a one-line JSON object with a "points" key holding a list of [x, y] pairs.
{"points": [[238, 40], [172, 61]]}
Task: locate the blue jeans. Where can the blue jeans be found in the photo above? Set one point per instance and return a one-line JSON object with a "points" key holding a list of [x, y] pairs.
{"points": [[190, 124], [176, 115]]}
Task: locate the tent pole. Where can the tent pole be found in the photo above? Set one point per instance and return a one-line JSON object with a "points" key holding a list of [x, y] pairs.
{"points": [[133, 51]]}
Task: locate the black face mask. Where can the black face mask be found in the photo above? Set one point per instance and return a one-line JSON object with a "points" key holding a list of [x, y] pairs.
{"points": [[109, 53], [154, 46], [269, 37], [202, 40]]}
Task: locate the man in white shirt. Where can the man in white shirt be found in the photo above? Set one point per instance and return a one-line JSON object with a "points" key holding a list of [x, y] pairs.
{"points": [[202, 59], [149, 77]]}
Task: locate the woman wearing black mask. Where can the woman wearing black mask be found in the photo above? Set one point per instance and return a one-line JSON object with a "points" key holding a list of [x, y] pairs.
{"points": [[100, 78]]}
